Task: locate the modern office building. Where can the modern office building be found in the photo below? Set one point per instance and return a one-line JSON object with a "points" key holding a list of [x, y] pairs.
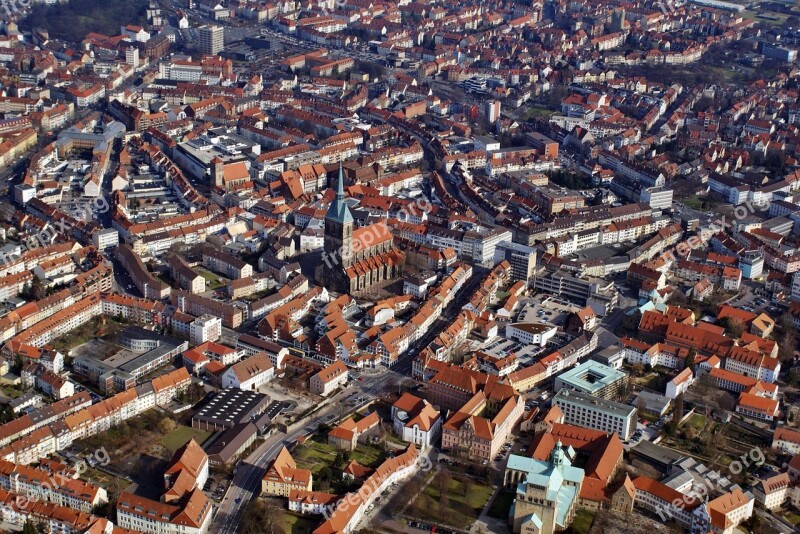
{"points": [[582, 409], [593, 378], [211, 39], [521, 257], [590, 291], [751, 264]]}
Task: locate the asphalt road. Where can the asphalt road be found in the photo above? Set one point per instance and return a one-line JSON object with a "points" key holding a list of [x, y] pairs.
{"points": [[247, 481]]}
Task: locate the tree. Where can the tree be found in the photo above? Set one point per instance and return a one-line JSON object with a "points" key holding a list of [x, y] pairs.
{"points": [[726, 402], [442, 482], [261, 517], [29, 528], [166, 425], [688, 363], [677, 411], [733, 327], [787, 339]]}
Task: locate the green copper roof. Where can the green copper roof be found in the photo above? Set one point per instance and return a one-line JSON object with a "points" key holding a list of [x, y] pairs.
{"points": [[338, 210]]}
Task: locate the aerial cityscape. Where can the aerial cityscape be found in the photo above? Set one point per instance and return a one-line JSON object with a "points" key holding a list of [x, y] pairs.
{"points": [[415, 266]]}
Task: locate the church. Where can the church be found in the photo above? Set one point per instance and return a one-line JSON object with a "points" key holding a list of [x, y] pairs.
{"points": [[355, 259]]}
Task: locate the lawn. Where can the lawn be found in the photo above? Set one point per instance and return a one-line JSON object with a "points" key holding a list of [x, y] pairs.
{"points": [[181, 436], [11, 391], [294, 524], [697, 421], [791, 516], [537, 112], [502, 504], [315, 455], [212, 279], [462, 504], [368, 455], [582, 522]]}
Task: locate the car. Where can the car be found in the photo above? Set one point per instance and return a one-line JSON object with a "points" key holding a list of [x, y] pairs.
{"points": [[360, 378], [238, 500]]}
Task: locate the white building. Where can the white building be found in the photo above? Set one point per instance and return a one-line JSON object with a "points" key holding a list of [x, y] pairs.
{"points": [[329, 379], [416, 421], [531, 333], [250, 373], [581, 409], [105, 239], [205, 328], [679, 384]]}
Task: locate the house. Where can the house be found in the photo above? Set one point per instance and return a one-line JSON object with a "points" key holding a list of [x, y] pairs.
{"points": [[311, 502], [480, 427], [728, 511], [347, 434], [329, 379], [679, 384], [416, 420], [250, 373], [773, 492], [187, 471], [283, 476]]}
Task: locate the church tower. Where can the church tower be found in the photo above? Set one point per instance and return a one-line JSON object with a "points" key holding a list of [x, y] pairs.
{"points": [[339, 227]]}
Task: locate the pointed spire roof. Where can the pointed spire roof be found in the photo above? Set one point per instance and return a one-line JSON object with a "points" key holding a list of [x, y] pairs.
{"points": [[339, 210]]}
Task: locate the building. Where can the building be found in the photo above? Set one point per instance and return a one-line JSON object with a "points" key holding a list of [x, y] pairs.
{"points": [[347, 434], [148, 285], [225, 264], [329, 379], [594, 379], [145, 515], [582, 409], [184, 276], [594, 292], [416, 421], [531, 333], [250, 373], [751, 264], [106, 239], [522, 259], [481, 426], [186, 471], [546, 492], [355, 260], [211, 39], [283, 476], [772, 492], [230, 407], [231, 443], [205, 328], [491, 109], [679, 384], [786, 439]]}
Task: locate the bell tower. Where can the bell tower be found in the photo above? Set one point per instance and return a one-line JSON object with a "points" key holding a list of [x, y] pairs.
{"points": [[339, 227]]}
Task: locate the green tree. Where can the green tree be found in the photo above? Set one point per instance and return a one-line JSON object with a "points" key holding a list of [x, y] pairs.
{"points": [[29, 528], [688, 363]]}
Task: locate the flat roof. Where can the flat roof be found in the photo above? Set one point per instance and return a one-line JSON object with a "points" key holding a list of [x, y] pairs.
{"points": [[591, 376], [580, 398], [231, 406]]}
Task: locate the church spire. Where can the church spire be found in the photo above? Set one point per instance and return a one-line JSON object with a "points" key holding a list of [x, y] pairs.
{"points": [[339, 210]]}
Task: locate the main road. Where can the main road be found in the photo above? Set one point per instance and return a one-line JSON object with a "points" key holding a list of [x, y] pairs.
{"points": [[246, 482]]}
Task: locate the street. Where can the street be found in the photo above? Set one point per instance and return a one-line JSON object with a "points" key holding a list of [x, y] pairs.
{"points": [[246, 482]]}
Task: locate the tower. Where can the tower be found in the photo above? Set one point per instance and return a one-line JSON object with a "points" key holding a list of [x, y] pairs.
{"points": [[339, 227], [211, 39]]}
